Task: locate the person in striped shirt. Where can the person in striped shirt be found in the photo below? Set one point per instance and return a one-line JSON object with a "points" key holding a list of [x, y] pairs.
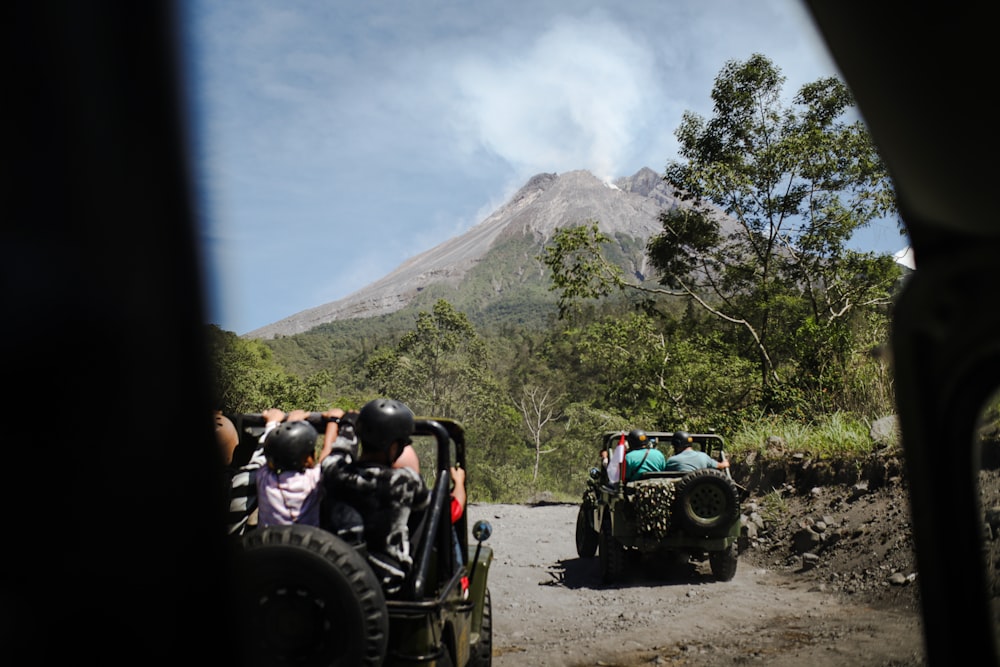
{"points": [[240, 478]]}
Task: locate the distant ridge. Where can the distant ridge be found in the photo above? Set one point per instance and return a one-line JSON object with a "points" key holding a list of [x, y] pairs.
{"points": [[628, 207]]}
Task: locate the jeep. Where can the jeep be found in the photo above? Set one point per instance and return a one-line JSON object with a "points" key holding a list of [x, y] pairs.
{"points": [[310, 598], [669, 516]]}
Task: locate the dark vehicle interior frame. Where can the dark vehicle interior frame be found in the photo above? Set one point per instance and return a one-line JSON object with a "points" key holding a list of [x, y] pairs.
{"points": [[105, 296], [914, 69]]}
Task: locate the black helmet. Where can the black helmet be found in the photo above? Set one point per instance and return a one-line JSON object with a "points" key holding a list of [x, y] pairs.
{"points": [[637, 438], [382, 422], [288, 445], [681, 439]]}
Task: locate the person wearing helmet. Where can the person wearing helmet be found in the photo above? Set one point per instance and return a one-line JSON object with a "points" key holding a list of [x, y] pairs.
{"points": [[642, 456], [686, 458], [288, 487], [342, 434], [369, 499]]}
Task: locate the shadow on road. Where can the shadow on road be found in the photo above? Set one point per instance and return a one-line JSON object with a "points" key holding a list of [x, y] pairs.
{"points": [[576, 573]]}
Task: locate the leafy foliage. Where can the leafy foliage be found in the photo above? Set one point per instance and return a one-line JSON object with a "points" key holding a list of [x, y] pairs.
{"points": [[579, 269], [441, 369], [788, 293], [799, 181], [437, 368], [248, 380]]}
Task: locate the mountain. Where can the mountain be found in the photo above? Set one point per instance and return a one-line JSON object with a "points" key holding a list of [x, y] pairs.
{"points": [[496, 260]]}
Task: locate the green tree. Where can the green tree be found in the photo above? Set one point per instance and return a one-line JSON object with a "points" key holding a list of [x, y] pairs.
{"points": [[579, 269], [664, 373], [799, 181], [439, 368], [792, 184], [248, 380]]}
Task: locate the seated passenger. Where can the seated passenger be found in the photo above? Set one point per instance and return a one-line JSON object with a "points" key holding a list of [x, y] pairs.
{"points": [[603, 459], [686, 458], [240, 476], [340, 434], [642, 457], [289, 489], [370, 500]]}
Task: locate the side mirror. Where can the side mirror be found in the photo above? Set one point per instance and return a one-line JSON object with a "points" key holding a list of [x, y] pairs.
{"points": [[482, 530]]}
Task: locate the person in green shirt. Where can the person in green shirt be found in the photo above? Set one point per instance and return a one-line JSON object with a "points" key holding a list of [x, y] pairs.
{"points": [[642, 456], [686, 458]]}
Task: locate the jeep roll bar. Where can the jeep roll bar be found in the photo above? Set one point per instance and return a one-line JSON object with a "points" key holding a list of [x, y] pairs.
{"points": [[255, 419], [444, 432]]}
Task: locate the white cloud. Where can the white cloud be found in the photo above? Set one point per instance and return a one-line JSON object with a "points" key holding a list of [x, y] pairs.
{"points": [[572, 99]]}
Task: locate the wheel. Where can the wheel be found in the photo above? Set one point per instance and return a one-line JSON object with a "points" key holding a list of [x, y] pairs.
{"points": [[482, 652], [723, 563], [707, 503], [309, 598], [612, 553], [586, 536]]}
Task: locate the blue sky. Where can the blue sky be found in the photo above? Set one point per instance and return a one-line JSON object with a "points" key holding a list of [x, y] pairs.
{"points": [[333, 140]]}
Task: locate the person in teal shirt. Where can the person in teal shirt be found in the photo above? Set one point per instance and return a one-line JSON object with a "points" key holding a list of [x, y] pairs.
{"points": [[686, 458], [642, 457]]}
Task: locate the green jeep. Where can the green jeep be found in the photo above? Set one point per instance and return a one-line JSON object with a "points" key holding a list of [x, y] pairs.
{"points": [[668, 516], [310, 598]]}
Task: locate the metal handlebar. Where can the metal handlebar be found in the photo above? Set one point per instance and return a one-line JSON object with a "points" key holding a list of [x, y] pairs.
{"points": [[317, 419]]}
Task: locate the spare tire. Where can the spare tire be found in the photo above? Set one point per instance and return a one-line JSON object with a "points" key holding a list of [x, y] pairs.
{"points": [[308, 598], [706, 503]]}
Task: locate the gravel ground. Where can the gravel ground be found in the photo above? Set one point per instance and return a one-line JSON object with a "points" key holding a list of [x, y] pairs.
{"points": [[550, 607], [826, 576]]}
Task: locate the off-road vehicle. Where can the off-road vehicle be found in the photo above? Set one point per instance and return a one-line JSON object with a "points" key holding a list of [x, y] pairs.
{"points": [[668, 516], [310, 598]]}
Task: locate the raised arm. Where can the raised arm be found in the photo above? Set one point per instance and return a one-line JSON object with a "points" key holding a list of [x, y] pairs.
{"points": [[331, 432]]}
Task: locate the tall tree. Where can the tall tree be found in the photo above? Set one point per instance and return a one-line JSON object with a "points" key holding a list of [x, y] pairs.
{"points": [[653, 373], [798, 181], [439, 368]]}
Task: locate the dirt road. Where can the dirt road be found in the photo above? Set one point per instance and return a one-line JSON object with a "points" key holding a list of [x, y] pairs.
{"points": [[550, 609]]}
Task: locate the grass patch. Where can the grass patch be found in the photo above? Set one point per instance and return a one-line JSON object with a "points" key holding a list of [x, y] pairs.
{"points": [[834, 436], [773, 507]]}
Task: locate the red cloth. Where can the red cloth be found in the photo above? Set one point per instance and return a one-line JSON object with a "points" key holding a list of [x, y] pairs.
{"points": [[456, 509]]}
